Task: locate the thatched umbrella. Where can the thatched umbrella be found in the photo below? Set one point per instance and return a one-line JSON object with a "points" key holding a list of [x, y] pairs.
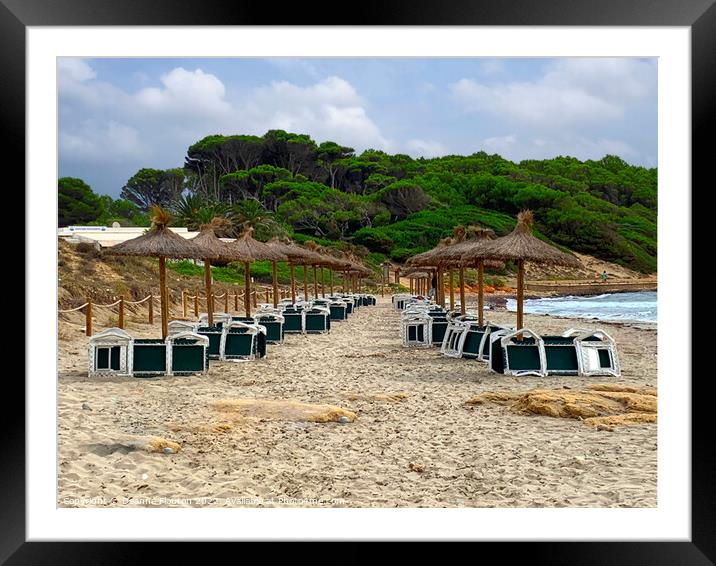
{"points": [[214, 249], [432, 258], [296, 256], [162, 243], [249, 249], [456, 255], [521, 246]]}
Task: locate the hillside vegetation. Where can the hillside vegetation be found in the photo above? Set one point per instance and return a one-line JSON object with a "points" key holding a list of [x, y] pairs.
{"points": [[394, 206]]}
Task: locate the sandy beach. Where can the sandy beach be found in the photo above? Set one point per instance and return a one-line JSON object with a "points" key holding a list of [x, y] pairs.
{"points": [[414, 441]]}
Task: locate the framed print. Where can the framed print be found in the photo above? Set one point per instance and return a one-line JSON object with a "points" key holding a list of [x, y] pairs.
{"points": [[123, 84]]}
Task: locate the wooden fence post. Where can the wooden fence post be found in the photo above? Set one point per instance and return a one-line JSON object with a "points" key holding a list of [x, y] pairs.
{"points": [[236, 300], [267, 295], [88, 317], [226, 302], [256, 301], [151, 308], [196, 304], [183, 303], [120, 323]]}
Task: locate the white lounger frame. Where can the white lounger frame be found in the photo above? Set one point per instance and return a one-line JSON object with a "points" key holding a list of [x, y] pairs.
{"points": [[587, 352], [251, 329], [118, 337]]}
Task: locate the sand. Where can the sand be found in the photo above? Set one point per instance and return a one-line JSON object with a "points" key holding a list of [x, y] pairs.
{"points": [[414, 442]]}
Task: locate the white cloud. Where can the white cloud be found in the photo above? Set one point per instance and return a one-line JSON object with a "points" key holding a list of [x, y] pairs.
{"points": [[579, 91], [500, 144], [517, 148], [425, 148], [330, 109], [101, 143], [74, 69], [185, 92], [534, 103]]}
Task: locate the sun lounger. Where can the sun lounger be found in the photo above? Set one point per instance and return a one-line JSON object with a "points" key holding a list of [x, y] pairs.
{"points": [[515, 357], [560, 355], [317, 320], [339, 310], [416, 329], [178, 326], [293, 319], [219, 318], [214, 334], [149, 357], [240, 341], [188, 353], [273, 322], [109, 354], [596, 352]]}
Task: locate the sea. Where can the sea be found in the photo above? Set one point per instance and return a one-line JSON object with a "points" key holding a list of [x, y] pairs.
{"points": [[626, 307]]}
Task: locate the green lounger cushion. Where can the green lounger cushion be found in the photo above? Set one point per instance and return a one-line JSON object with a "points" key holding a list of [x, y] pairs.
{"points": [[523, 357], [188, 356], [150, 356]]}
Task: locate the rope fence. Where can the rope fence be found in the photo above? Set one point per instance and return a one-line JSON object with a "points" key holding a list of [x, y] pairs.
{"points": [[197, 299]]}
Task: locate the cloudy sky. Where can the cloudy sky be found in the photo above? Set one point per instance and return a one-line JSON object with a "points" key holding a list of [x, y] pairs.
{"points": [[119, 115]]}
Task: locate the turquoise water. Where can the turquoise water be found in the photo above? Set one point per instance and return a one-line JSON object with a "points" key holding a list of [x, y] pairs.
{"points": [[611, 306]]}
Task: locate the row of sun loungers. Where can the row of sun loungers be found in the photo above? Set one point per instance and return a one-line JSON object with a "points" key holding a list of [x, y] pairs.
{"points": [[507, 350], [191, 344]]}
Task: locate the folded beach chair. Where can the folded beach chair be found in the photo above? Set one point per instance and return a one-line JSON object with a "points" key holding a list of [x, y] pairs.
{"points": [[339, 310], [400, 300], [273, 322], [350, 304], [149, 357], [416, 329], [560, 355], [109, 354], [219, 318], [214, 334], [596, 352], [178, 326], [439, 326], [188, 354], [511, 356], [240, 341], [317, 319], [293, 319]]}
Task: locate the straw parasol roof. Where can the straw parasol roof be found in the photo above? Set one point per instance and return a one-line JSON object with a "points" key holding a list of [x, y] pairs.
{"points": [[249, 249], [520, 244], [429, 258], [295, 253], [212, 246], [455, 254], [159, 241]]}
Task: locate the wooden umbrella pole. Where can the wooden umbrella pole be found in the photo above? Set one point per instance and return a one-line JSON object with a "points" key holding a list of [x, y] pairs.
{"points": [[462, 290], [293, 283], [330, 275], [520, 293], [305, 282], [452, 291], [480, 290], [323, 284], [315, 283], [163, 296], [247, 288], [209, 292], [275, 284]]}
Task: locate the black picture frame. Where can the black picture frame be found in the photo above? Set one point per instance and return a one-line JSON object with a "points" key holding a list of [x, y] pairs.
{"points": [[699, 15]]}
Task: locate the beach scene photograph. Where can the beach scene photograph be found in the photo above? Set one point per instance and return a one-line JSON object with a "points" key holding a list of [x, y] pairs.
{"points": [[357, 282]]}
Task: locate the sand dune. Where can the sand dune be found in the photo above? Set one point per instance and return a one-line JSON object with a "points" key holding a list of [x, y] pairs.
{"points": [[413, 441]]}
